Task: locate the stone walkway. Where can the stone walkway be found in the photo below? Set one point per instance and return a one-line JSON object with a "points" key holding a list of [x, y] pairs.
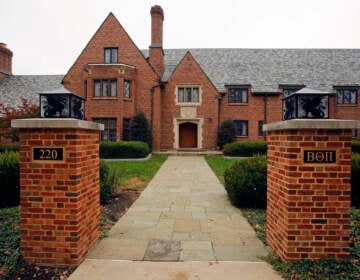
{"points": [[183, 215]]}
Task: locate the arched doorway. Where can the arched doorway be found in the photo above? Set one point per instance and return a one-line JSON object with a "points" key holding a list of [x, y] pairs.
{"points": [[188, 135]]}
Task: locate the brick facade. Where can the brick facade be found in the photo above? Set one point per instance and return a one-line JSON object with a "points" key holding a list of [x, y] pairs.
{"points": [[308, 210], [59, 200], [5, 61]]}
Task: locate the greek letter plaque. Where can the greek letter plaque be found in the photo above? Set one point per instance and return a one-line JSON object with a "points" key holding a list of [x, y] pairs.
{"points": [[319, 156]]}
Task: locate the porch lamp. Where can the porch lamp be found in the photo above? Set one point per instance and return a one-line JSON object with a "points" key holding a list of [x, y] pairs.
{"points": [[61, 103], [306, 103]]}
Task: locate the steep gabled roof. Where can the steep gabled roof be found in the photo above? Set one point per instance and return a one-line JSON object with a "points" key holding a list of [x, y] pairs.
{"points": [[26, 86], [265, 69]]}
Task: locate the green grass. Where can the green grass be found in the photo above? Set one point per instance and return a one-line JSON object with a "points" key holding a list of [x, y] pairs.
{"points": [[219, 165], [137, 174]]}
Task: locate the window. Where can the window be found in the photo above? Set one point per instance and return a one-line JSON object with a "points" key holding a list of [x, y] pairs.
{"points": [[127, 89], [105, 88], [241, 128], [188, 95], [109, 132], [354, 132], [347, 96], [260, 128], [238, 95], [126, 129], [110, 55]]}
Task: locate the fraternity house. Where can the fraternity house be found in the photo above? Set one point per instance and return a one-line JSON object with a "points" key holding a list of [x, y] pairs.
{"points": [[187, 94]]}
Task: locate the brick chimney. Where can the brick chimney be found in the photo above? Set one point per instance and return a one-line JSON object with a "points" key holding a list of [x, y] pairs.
{"points": [[5, 61], [156, 54]]}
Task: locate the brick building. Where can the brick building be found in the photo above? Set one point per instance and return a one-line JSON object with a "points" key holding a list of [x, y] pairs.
{"points": [[186, 94]]}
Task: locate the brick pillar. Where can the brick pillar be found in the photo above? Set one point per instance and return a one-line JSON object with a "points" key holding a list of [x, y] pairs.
{"points": [[59, 197], [308, 188]]}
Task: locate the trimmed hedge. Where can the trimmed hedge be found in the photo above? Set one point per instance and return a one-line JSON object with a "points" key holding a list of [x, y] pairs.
{"points": [[245, 182], [124, 149], [245, 148], [355, 146], [355, 180], [108, 181], [9, 147], [9, 174]]}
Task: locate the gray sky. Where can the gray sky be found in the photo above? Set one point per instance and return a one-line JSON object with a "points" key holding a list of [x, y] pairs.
{"points": [[46, 36]]}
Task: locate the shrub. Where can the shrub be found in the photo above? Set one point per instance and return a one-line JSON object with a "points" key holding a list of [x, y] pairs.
{"points": [[9, 147], [124, 149], [9, 174], [355, 146], [245, 183], [108, 182], [226, 133], [355, 180], [245, 149], [140, 129]]}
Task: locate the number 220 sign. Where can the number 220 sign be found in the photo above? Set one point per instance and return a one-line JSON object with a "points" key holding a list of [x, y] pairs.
{"points": [[48, 154]]}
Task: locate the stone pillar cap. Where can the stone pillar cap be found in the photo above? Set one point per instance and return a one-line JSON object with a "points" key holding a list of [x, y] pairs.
{"points": [[312, 124], [56, 123]]}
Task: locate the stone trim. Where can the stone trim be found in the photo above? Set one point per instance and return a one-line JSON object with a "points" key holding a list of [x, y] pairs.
{"points": [[56, 123], [312, 124]]}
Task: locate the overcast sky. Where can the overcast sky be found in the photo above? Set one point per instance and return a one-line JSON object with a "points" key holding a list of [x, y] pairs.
{"points": [[46, 36]]}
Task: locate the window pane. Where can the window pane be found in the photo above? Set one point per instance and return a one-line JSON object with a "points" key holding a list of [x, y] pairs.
{"points": [[114, 55], [353, 97], [127, 89], [260, 132], [104, 88], [244, 96], [180, 95], [188, 95], [195, 95], [107, 55], [97, 88], [113, 88]]}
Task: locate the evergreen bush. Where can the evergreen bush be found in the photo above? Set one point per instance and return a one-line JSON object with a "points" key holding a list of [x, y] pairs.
{"points": [[124, 149], [9, 147], [245, 149], [355, 180], [9, 174], [108, 182], [226, 133], [355, 146], [140, 129], [245, 182]]}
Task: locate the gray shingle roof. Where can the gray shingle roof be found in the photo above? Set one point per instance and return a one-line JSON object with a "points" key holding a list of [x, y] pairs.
{"points": [[265, 69], [26, 86]]}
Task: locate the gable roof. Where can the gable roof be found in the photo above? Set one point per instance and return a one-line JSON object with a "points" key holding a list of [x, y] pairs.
{"points": [[265, 69], [26, 86]]}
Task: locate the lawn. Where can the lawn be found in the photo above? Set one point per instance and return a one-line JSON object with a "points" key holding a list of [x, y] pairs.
{"points": [[219, 164], [304, 269], [135, 175]]}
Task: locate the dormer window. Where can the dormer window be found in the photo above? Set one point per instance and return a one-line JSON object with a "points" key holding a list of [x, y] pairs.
{"points": [[347, 95], [111, 55], [238, 94]]}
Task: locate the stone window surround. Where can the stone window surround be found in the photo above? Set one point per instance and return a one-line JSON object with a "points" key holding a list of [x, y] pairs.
{"points": [[188, 86]]}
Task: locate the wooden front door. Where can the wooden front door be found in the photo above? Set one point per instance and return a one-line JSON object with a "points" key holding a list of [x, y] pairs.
{"points": [[188, 135]]}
